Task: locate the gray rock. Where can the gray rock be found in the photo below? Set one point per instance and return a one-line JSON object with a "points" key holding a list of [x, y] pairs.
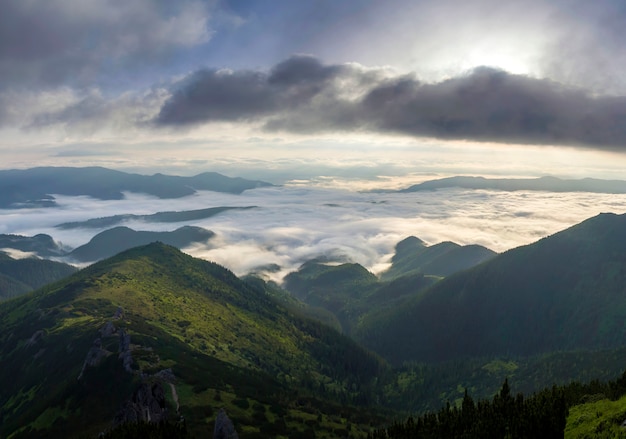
{"points": [[147, 404], [224, 428], [108, 330], [166, 375], [124, 350], [34, 339], [94, 356], [119, 313]]}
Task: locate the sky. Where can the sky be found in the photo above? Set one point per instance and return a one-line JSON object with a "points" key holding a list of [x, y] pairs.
{"points": [[359, 87], [325, 98]]}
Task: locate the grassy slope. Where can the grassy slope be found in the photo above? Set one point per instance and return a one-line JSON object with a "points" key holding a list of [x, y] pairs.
{"points": [[224, 340], [597, 419]]}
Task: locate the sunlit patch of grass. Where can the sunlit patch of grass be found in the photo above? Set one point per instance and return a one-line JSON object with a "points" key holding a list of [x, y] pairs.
{"points": [[597, 419]]}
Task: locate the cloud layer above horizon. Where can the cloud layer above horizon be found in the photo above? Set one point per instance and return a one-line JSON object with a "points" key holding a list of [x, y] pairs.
{"points": [[302, 94], [539, 72]]}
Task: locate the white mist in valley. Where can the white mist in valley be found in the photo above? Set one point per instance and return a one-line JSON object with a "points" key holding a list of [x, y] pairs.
{"points": [[292, 224]]}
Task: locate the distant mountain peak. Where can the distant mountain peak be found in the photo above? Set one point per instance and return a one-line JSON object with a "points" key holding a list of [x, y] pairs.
{"points": [[36, 186], [120, 238], [545, 183]]}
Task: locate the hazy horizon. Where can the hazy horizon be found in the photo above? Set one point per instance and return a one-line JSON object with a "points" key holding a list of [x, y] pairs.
{"points": [[299, 221], [326, 98]]}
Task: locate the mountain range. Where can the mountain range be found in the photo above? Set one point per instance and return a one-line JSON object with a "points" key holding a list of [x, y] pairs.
{"points": [[551, 184], [36, 187], [118, 239], [350, 291], [159, 217]]}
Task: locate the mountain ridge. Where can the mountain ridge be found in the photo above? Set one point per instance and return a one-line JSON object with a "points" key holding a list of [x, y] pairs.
{"points": [[225, 341], [36, 187], [561, 293], [546, 183], [113, 241]]}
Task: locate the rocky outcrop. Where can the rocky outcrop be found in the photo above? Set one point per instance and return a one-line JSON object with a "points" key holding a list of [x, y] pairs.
{"points": [[147, 404], [97, 353], [224, 428], [108, 330], [34, 339], [119, 313], [166, 375], [125, 354], [94, 356]]}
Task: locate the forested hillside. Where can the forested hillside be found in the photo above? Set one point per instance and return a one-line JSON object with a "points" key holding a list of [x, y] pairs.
{"points": [[19, 276], [564, 292]]}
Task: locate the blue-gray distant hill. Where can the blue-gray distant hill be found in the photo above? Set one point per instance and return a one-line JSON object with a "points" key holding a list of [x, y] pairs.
{"points": [[116, 240], [159, 217], [548, 184], [42, 245], [36, 187]]}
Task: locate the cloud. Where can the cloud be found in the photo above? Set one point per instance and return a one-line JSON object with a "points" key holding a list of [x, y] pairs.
{"points": [[217, 95], [91, 112], [576, 42], [587, 48], [303, 95], [293, 224], [56, 42]]}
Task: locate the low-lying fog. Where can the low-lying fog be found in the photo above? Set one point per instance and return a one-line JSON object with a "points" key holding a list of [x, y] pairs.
{"points": [[294, 223]]}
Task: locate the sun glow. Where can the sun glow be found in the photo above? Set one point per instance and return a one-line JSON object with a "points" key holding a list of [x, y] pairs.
{"points": [[505, 59]]}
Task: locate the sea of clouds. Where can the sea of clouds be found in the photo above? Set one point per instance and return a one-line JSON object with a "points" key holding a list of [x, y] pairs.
{"points": [[294, 223]]}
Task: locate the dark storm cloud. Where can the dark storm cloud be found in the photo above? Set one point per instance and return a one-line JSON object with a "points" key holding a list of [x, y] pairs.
{"points": [[303, 95], [67, 42], [492, 105], [244, 95]]}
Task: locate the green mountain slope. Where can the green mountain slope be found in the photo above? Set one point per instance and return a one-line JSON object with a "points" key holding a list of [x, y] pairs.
{"points": [[318, 283], [414, 256], [350, 292], [73, 352], [564, 292], [341, 289]]}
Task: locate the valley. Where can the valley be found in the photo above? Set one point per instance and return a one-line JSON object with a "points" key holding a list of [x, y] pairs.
{"points": [[329, 349], [312, 220]]}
